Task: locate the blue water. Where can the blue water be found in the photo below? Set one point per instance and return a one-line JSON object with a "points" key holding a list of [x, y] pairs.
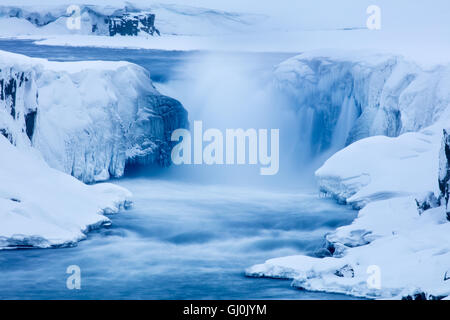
{"points": [[181, 241], [162, 64], [183, 238]]}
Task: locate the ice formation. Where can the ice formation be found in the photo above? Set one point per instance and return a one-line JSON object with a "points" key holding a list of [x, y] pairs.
{"points": [[391, 170], [342, 97], [88, 119], [43, 207]]}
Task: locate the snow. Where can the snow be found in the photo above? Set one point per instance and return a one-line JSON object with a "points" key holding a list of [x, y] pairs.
{"points": [[253, 25], [92, 117], [410, 249], [381, 168], [350, 95], [43, 207], [381, 176], [388, 111], [85, 119], [171, 19]]}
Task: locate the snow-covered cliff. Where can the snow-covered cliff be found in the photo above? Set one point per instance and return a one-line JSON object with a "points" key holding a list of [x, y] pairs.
{"points": [[85, 119], [88, 119], [397, 247], [347, 96], [43, 207]]}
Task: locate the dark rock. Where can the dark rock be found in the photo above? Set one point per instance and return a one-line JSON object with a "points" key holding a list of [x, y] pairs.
{"points": [[416, 296], [422, 296], [13, 84], [30, 120], [10, 90], [130, 24], [444, 170], [345, 272], [6, 134], [322, 253], [427, 202]]}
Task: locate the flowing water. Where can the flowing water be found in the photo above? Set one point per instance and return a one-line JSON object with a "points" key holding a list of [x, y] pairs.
{"points": [[191, 232]]}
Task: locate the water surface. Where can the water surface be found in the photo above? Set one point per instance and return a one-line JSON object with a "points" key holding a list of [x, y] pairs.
{"points": [[190, 233], [181, 241]]}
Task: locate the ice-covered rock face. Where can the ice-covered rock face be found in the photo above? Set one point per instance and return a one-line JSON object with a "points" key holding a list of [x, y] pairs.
{"points": [[444, 170], [342, 97], [397, 247], [18, 104], [43, 207], [88, 119]]}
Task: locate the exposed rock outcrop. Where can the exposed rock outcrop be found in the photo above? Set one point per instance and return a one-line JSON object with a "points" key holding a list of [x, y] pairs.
{"points": [[130, 24], [444, 170], [18, 103]]}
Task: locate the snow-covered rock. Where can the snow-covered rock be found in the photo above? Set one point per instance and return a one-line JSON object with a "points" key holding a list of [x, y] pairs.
{"points": [[43, 207], [347, 96], [395, 170], [88, 119], [380, 167], [97, 19], [444, 171], [407, 248]]}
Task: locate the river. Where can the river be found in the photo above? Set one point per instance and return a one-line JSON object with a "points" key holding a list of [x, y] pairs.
{"points": [[191, 232]]}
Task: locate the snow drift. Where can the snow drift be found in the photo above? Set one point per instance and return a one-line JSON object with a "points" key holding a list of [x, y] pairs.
{"points": [[43, 207], [88, 119], [388, 177], [398, 176]]}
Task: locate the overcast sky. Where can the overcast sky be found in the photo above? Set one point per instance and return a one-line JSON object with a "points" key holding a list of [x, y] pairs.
{"points": [[413, 16], [312, 13]]}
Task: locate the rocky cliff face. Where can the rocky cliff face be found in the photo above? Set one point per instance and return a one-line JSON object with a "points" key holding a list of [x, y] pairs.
{"points": [[98, 20], [349, 96], [131, 24], [18, 104], [88, 119], [444, 171]]}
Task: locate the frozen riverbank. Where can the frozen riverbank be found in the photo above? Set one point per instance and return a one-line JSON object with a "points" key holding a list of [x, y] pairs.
{"points": [[181, 241], [402, 230]]}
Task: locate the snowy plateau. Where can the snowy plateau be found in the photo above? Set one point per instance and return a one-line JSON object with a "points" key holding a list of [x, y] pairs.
{"points": [[85, 119]]}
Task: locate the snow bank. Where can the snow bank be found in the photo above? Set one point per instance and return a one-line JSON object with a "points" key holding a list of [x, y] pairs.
{"points": [[381, 167], [348, 96], [88, 119], [42, 207], [407, 246], [402, 233]]}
